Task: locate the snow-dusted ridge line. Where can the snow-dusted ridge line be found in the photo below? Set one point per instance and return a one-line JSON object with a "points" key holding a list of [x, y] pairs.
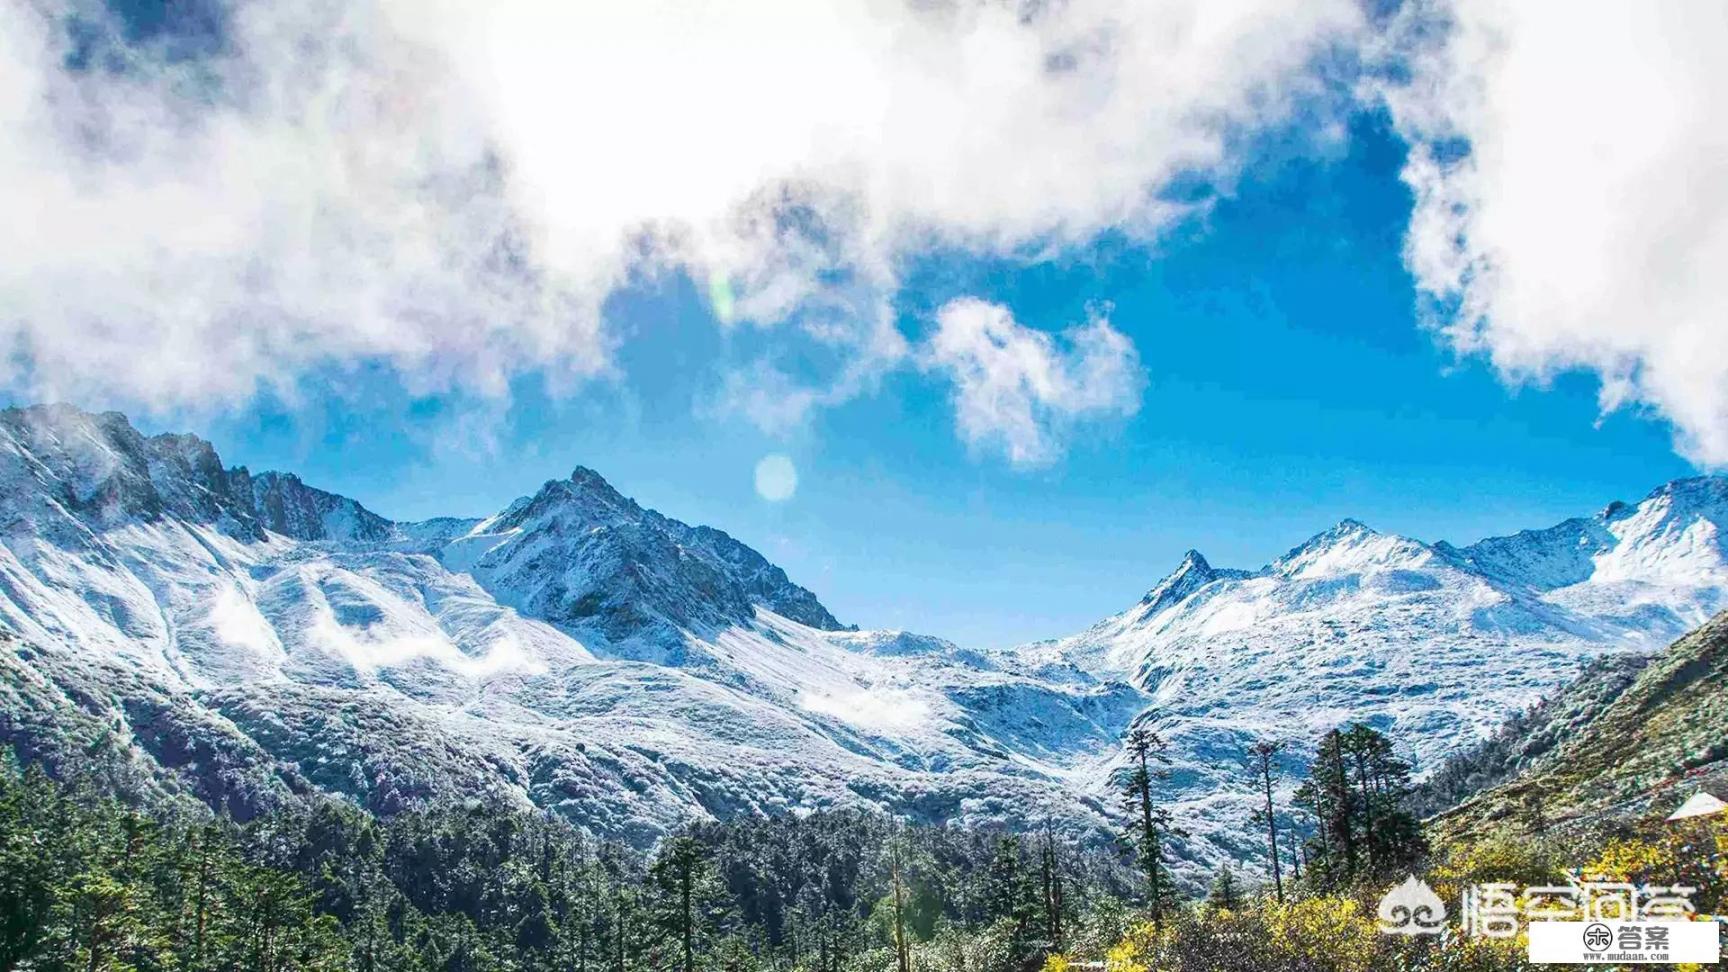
{"points": [[1435, 644], [573, 650], [579, 652]]}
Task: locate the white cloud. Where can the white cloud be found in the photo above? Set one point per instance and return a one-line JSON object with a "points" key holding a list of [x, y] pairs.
{"points": [[330, 201], [452, 189], [1021, 390], [1588, 223]]}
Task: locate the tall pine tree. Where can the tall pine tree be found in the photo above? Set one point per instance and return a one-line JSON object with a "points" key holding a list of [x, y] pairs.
{"points": [[1148, 823], [1262, 763], [1357, 790]]}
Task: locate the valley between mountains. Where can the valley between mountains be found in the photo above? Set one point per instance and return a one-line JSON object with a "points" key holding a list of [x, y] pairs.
{"points": [[245, 637]]}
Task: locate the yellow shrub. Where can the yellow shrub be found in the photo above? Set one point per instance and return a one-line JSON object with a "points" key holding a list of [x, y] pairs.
{"points": [[1630, 860], [1520, 861], [1133, 952], [1722, 850], [1325, 932]]}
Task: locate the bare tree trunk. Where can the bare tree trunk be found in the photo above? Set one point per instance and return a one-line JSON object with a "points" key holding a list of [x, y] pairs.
{"points": [[1265, 758]]}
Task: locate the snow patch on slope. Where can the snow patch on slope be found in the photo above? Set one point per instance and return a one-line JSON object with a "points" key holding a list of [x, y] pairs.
{"points": [[578, 652]]}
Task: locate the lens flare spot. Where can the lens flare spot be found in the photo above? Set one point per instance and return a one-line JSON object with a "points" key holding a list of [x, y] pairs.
{"points": [[776, 478], [721, 298]]}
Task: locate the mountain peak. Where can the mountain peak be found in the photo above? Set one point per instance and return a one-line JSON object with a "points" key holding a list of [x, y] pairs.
{"points": [[1692, 495], [584, 497], [589, 479], [100, 470], [589, 556], [1347, 527], [1350, 547], [1688, 495], [1189, 576]]}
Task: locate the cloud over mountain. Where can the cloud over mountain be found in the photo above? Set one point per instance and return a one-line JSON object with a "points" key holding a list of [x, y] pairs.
{"points": [[1018, 390], [453, 191], [1571, 176]]}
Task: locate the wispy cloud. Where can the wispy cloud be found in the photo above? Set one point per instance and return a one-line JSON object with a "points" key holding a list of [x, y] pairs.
{"points": [[1021, 391], [1570, 166], [452, 189]]}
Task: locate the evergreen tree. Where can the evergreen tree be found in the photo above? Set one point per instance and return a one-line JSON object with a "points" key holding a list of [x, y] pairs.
{"points": [[1054, 894], [1262, 762], [30, 869], [687, 901], [208, 901], [1226, 893], [1358, 791], [1012, 895], [1533, 809], [471, 886], [1391, 833], [897, 865], [1326, 795], [1148, 822]]}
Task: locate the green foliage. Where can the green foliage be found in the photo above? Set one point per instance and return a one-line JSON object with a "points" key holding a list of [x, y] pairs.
{"points": [[1226, 893], [1358, 792], [1148, 825], [1618, 744], [87, 883], [689, 911]]}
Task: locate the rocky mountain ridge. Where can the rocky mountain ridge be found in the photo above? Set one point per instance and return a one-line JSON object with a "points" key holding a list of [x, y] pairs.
{"points": [[250, 636]]}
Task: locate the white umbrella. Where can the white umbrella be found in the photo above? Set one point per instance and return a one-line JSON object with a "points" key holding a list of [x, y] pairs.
{"points": [[1698, 805]]}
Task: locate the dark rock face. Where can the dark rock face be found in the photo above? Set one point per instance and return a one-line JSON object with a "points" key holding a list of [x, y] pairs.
{"points": [[285, 505], [103, 473], [582, 554]]}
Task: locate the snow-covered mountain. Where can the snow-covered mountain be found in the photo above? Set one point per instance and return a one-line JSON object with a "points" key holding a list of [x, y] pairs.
{"points": [[582, 556], [1433, 644], [253, 637], [249, 636]]}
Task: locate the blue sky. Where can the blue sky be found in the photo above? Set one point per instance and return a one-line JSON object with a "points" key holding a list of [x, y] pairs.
{"points": [[1289, 386], [1033, 299]]}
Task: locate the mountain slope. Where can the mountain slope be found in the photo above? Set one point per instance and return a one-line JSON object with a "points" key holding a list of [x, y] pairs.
{"points": [[253, 637], [1435, 645], [1530, 736], [250, 637], [1660, 738]]}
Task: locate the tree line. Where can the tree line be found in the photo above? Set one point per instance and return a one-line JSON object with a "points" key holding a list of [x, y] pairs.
{"points": [[88, 883]]}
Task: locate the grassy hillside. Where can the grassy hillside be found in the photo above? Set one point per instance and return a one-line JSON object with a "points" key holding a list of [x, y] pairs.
{"points": [[1660, 738]]}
